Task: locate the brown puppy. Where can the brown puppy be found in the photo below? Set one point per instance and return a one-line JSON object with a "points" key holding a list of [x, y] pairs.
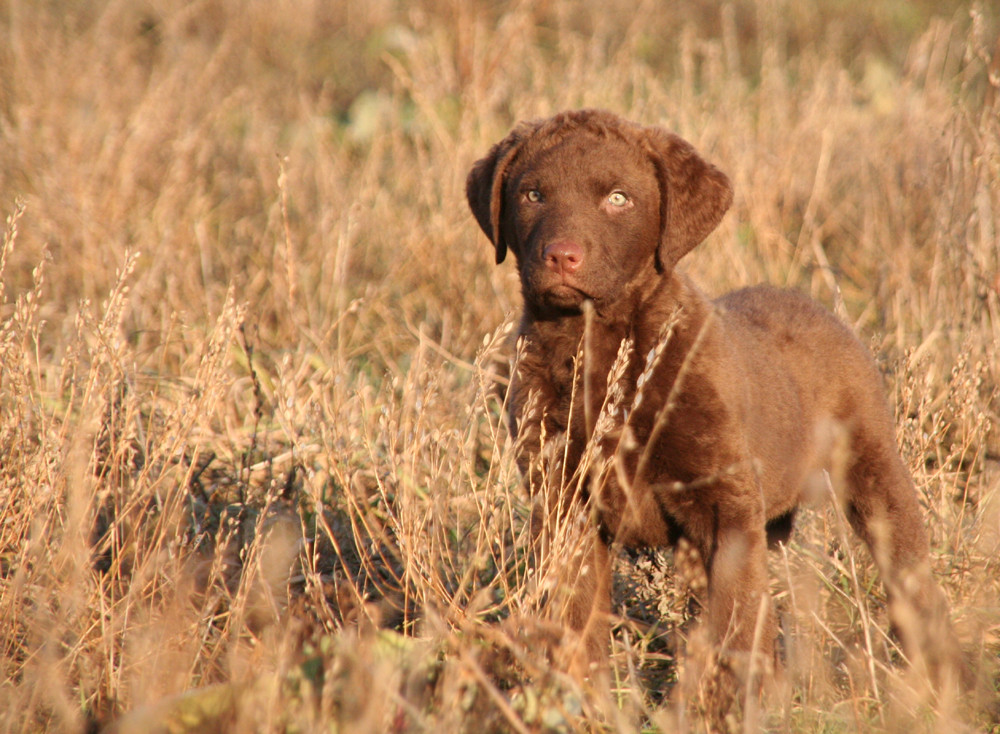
{"points": [[721, 412]]}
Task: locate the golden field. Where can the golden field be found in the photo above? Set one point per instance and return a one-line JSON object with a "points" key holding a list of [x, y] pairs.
{"points": [[252, 466]]}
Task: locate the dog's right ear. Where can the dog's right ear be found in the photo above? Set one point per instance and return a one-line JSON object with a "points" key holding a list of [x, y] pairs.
{"points": [[484, 186]]}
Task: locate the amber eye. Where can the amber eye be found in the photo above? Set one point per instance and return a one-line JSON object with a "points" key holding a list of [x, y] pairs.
{"points": [[618, 198], [533, 195]]}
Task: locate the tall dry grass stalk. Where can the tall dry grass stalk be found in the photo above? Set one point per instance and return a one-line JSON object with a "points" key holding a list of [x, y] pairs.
{"points": [[251, 439]]}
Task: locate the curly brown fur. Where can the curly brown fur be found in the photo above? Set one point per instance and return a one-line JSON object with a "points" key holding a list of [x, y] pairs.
{"points": [[724, 409]]}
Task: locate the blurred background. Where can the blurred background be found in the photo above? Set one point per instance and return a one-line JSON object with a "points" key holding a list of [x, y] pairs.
{"points": [[240, 289]]}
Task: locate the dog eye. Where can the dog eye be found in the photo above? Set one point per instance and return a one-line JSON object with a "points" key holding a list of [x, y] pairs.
{"points": [[618, 198], [533, 195]]}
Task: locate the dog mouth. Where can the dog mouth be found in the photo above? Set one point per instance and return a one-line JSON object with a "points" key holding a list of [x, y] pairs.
{"points": [[565, 295], [558, 292]]}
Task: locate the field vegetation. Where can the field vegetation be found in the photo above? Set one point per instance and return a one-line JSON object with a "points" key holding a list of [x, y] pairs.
{"points": [[252, 458]]}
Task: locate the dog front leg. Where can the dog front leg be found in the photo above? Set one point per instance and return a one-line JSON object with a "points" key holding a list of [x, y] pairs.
{"points": [[573, 566], [740, 618], [587, 608]]}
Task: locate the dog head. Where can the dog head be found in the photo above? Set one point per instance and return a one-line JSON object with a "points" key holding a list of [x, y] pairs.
{"points": [[587, 201]]}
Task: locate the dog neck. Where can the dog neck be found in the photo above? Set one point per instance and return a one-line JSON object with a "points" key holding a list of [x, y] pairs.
{"points": [[640, 315]]}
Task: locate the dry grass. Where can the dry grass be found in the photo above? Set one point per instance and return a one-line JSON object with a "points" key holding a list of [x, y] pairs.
{"points": [[249, 441]]}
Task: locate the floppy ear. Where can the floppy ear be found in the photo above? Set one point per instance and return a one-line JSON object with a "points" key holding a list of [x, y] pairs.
{"points": [[694, 195], [484, 186]]}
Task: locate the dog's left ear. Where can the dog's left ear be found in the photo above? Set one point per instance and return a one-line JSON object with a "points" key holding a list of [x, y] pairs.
{"points": [[694, 195], [484, 186]]}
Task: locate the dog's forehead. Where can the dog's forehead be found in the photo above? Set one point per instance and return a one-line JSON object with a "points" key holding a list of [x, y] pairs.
{"points": [[583, 151]]}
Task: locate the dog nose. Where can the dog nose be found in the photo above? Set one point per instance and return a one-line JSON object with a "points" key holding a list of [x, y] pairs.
{"points": [[564, 256]]}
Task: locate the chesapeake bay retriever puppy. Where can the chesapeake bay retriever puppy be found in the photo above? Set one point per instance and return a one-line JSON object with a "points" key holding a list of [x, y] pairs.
{"points": [[721, 412]]}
